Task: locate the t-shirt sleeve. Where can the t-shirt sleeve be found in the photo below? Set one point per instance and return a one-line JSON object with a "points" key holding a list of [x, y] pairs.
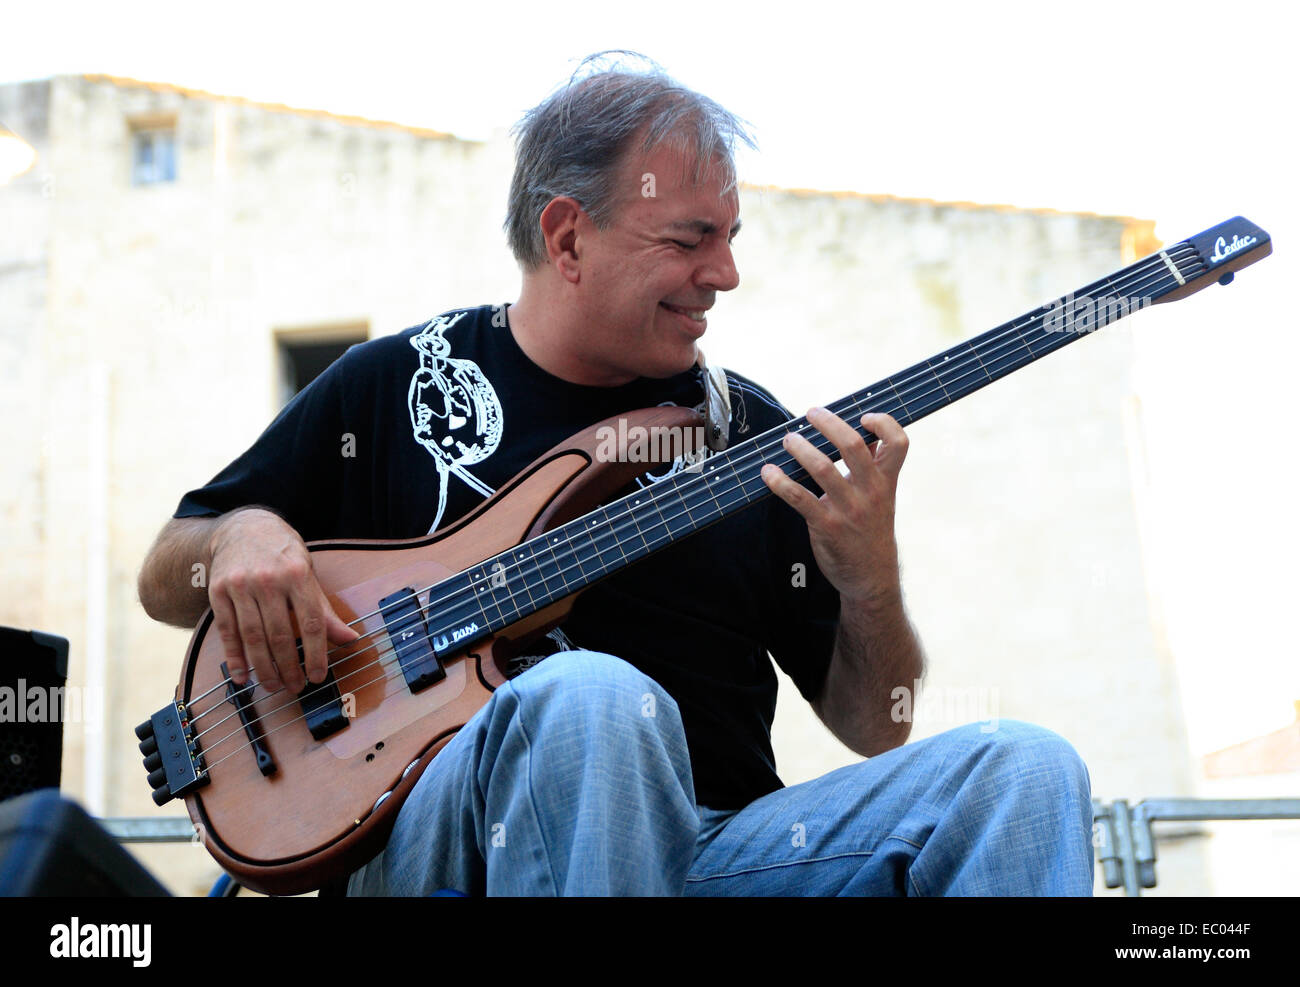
{"points": [[293, 466]]}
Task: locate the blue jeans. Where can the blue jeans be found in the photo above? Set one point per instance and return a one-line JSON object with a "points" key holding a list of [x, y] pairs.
{"points": [[575, 779]]}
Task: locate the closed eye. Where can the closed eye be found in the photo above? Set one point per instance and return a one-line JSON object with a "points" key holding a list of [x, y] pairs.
{"points": [[686, 246]]}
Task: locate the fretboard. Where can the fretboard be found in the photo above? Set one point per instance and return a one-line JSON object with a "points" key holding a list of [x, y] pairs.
{"points": [[502, 590]]}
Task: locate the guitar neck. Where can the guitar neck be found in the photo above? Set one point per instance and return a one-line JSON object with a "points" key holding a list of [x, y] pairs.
{"points": [[504, 589]]}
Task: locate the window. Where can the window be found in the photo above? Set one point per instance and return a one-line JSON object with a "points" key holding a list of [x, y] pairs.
{"points": [[153, 156], [305, 354]]}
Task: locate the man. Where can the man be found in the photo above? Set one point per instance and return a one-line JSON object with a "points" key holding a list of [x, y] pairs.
{"points": [[637, 759]]}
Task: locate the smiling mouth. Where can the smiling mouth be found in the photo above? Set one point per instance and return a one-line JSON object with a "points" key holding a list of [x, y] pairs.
{"points": [[694, 314]]}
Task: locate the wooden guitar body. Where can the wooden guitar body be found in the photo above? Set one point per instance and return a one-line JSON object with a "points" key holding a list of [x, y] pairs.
{"points": [[330, 804]]}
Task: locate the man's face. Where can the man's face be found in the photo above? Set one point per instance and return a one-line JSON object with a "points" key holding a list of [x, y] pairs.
{"points": [[649, 279]]}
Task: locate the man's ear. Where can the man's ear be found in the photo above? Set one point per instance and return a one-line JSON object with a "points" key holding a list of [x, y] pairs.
{"points": [[560, 221]]}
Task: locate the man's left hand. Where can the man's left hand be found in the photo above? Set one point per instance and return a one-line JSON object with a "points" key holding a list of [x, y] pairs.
{"points": [[851, 525]]}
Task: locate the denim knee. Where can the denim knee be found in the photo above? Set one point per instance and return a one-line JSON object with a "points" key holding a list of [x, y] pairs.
{"points": [[1032, 746], [599, 685]]}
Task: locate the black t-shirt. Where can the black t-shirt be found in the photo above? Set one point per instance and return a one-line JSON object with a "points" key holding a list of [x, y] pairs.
{"points": [[407, 433]]}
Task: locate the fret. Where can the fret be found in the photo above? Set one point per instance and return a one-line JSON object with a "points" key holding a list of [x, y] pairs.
{"points": [[698, 496], [938, 376], [553, 585], [638, 547], [736, 483], [706, 508], [476, 601], [1114, 292], [1044, 341], [484, 589], [709, 477], [1021, 338], [551, 541], [460, 615], [645, 545], [615, 534], [523, 554], [901, 402], [592, 564], [686, 508], [466, 611], [645, 502], [961, 372], [607, 537], [786, 462], [975, 351], [742, 486], [574, 534], [1001, 359], [501, 581]]}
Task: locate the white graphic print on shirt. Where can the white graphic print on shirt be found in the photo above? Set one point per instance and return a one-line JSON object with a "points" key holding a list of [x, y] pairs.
{"points": [[455, 411]]}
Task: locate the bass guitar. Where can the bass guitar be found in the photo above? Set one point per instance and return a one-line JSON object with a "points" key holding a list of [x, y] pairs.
{"points": [[290, 791]]}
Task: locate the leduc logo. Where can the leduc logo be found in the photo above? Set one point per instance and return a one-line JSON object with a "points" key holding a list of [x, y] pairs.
{"points": [[1223, 250], [105, 941]]}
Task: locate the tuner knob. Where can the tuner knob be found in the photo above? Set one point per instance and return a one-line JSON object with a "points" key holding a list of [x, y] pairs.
{"points": [[1226, 279], [153, 762], [158, 779], [144, 730], [149, 746], [161, 796]]}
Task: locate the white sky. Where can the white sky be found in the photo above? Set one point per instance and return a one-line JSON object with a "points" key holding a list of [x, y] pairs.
{"points": [[1156, 110], [1183, 113]]}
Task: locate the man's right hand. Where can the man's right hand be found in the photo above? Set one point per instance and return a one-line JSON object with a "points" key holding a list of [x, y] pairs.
{"points": [[261, 572]]}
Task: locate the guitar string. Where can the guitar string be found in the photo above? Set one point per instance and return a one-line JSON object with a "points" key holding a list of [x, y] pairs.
{"points": [[1012, 328]]}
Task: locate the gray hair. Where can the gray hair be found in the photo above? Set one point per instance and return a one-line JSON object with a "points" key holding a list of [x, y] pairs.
{"points": [[573, 142]]}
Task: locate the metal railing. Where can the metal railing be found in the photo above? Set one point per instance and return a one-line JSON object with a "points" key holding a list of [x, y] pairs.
{"points": [[149, 829], [1125, 843]]}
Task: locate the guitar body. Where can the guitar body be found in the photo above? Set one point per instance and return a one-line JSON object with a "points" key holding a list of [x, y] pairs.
{"points": [[330, 804]]}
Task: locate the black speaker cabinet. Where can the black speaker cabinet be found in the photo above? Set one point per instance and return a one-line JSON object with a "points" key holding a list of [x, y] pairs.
{"points": [[33, 675], [49, 847]]}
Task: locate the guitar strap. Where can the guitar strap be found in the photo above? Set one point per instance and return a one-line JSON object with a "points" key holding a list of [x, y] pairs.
{"points": [[717, 405]]}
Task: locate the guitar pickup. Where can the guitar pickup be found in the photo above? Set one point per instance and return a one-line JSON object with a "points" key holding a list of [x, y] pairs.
{"points": [[241, 697], [321, 704], [171, 754], [410, 639]]}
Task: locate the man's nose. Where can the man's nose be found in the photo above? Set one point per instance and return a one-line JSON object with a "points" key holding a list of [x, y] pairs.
{"points": [[720, 273]]}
